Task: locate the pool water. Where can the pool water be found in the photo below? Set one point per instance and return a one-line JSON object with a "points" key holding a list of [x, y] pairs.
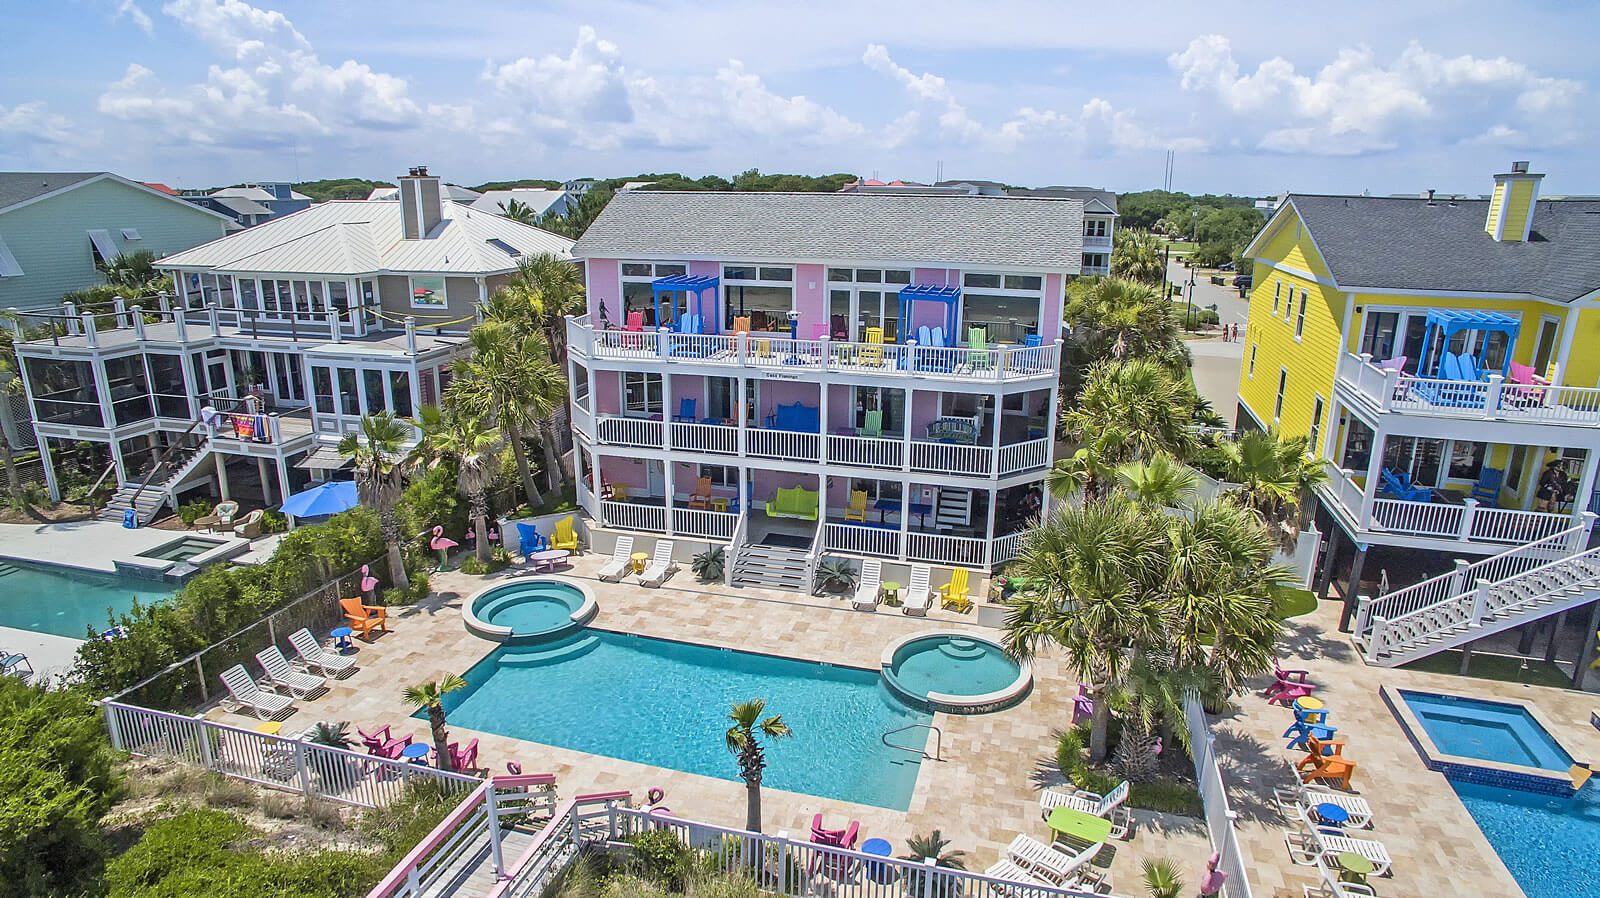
{"points": [[182, 549], [665, 704], [1488, 731], [1549, 844], [953, 666], [67, 602]]}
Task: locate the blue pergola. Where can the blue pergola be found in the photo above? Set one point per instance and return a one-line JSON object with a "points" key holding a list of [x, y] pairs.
{"points": [[942, 293], [1444, 324], [694, 285]]}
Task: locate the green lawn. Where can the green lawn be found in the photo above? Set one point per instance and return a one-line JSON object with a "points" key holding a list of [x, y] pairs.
{"points": [[1182, 246], [1504, 668], [1287, 603]]}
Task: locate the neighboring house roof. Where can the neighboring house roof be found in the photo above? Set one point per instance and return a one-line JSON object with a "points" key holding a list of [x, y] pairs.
{"points": [[18, 188], [539, 200], [635, 185], [1089, 196], [1412, 243], [452, 192], [838, 226], [352, 237], [240, 205], [158, 186], [255, 194]]}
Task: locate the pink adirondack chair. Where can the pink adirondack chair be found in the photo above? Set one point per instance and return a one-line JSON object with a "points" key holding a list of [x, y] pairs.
{"points": [[1082, 704], [380, 743], [1291, 676], [463, 760], [635, 325], [1284, 692]]}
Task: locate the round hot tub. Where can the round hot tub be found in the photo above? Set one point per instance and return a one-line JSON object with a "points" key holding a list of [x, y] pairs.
{"points": [[955, 672], [529, 609]]}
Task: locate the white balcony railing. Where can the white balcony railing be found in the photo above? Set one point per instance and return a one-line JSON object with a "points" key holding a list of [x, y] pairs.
{"points": [[640, 432], [862, 540], [869, 452], [1006, 548], [937, 547], [714, 525], [768, 351], [1468, 521], [635, 516], [951, 458], [1024, 456], [705, 438], [785, 444], [1493, 398]]}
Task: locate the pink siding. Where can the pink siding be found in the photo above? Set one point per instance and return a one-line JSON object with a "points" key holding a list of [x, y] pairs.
{"points": [[841, 411], [765, 483], [945, 276], [687, 387], [924, 409], [608, 392], [630, 471], [810, 298], [710, 302], [605, 286], [784, 392], [1050, 319]]}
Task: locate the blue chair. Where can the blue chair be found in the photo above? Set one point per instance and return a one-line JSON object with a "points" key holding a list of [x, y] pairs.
{"points": [[1400, 487], [530, 540], [685, 413], [1032, 340], [1487, 489], [1308, 723]]}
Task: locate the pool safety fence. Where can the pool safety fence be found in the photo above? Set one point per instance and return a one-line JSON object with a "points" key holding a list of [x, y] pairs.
{"points": [[277, 762], [195, 680], [1221, 821]]}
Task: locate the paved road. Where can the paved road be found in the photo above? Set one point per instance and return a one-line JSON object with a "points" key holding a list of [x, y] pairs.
{"points": [[1216, 362]]}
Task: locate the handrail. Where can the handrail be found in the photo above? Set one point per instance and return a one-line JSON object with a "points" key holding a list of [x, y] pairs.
{"points": [[99, 480], [938, 740], [133, 502]]}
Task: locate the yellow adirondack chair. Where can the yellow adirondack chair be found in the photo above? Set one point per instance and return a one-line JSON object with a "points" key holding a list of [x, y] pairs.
{"points": [[858, 506], [953, 595], [871, 351], [565, 537]]}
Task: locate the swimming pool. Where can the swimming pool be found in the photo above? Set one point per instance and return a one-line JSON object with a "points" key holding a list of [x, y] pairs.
{"points": [[1488, 731], [65, 601], [1548, 842], [183, 549], [529, 609], [664, 703], [957, 672]]}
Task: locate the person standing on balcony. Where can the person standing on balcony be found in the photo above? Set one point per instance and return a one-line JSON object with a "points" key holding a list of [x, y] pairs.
{"points": [[1553, 485]]}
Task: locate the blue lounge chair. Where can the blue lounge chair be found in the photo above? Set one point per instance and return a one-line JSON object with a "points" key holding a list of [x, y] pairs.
{"points": [[1308, 723], [1399, 486]]}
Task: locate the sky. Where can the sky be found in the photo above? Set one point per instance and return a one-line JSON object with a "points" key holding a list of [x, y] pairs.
{"points": [[1253, 98]]}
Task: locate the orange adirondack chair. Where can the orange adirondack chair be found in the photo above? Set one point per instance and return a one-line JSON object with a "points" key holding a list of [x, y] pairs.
{"points": [[1325, 760], [364, 618], [701, 497]]}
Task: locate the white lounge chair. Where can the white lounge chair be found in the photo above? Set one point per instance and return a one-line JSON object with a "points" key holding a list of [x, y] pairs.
{"points": [[918, 594], [870, 585], [621, 561], [1050, 862], [312, 654], [1310, 844], [246, 694], [1020, 883], [1109, 806], [1333, 887], [661, 566], [279, 673], [1296, 803]]}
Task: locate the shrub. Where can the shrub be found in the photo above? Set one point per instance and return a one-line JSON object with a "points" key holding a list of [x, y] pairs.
{"points": [[189, 512], [1163, 794], [836, 575], [273, 522], [661, 857], [710, 564], [1204, 317]]}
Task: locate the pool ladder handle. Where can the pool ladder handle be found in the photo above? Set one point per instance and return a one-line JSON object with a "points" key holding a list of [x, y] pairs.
{"points": [[938, 741]]}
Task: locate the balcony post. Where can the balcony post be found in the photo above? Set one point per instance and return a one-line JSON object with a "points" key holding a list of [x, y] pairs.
{"points": [[905, 514], [211, 318], [740, 405], [180, 319], [138, 323], [741, 349], [119, 308], [70, 310], [1480, 604], [15, 320], [1391, 385], [1369, 493], [1469, 513], [822, 411], [1491, 402], [333, 326], [411, 335], [90, 336], [669, 478], [1363, 614], [1380, 631], [666, 413], [1458, 582], [905, 436], [164, 302], [663, 344]]}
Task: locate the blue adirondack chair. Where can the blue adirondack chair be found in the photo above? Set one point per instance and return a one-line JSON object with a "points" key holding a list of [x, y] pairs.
{"points": [[1400, 487], [685, 413], [1487, 489]]}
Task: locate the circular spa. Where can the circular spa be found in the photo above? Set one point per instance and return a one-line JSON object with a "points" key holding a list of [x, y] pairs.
{"points": [[529, 609], [955, 672]]}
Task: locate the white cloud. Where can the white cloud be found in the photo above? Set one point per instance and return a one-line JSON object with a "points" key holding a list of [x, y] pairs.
{"points": [[33, 123], [930, 90], [276, 92], [752, 107], [1357, 104], [128, 9]]}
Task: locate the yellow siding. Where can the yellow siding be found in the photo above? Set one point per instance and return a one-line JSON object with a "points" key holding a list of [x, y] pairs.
{"points": [[1497, 200], [1582, 368], [1529, 312], [1310, 359]]}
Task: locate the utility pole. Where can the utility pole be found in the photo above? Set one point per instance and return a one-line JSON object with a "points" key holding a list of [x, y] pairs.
{"points": [[1188, 314]]}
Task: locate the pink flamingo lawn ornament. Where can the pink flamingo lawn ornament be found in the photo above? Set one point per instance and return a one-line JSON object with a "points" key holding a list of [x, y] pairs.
{"points": [[368, 582], [1212, 882], [441, 544]]}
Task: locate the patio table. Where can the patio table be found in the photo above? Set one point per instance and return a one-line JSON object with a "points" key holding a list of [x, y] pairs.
{"points": [[1079, 826], [416, 753], [1353, 867], [548, 559]]}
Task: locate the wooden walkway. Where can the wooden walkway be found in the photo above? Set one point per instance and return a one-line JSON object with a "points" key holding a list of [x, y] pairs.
{"points": [[472, 875]]}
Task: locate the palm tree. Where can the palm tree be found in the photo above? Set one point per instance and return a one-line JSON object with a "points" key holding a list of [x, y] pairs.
{"points": [[920, 848], [131, 271], [1100, 566], [430, 695], [1115, 317], [517, 210], [1131, 410], [508, 380], [381, 462], [1276, 474], [744, 739], [473, 444], [550, 288], [1136, 255], [10, 385], [1162, 481], [578, 218]]}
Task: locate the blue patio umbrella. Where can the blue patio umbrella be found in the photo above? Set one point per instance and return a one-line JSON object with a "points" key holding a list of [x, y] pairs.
{"points": [[322, 499]]}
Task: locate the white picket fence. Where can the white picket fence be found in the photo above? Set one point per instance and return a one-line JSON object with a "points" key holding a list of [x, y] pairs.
{"points": [[1214, 797], [279, 762]]}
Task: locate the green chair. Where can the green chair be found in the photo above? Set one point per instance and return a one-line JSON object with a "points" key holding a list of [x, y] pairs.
{"points": [[872, 424], [978, 355]]}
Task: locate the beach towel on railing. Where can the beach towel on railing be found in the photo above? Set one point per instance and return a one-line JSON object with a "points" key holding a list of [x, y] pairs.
{"points": [[797, 417]]}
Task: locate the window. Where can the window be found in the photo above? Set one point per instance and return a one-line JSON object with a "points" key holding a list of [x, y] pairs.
{"points": [[1024, 282], [102, 246], [1313, 441], [721, 475], [1094, 260], [764, 295], [427, 292], [1002, 317], [636, 293], [1288, 306], [1300, 319], [1277, 292], [349, 402], [8, 263], [322, 389], [1466, 459], [641, 393], [1252, 372], [981, 280], [131, 234], [1095, 227], [372, 385], [776, 274], [1283, 385], [400, 388]]}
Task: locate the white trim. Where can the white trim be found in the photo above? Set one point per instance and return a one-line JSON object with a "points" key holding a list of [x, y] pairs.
{"points": [[1319, 410], [1533, 206], [9, 268], [835, 263], [1300, 273], [1282, 397], [1251, 372]]}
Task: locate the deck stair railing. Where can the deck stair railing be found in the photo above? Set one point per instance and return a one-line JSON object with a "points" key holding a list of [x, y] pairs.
{"points": [[1480, 598]]}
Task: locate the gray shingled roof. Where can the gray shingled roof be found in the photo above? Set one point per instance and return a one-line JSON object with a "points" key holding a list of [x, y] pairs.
{"points": [[1407, 243], [957, 230], [21, 186]]}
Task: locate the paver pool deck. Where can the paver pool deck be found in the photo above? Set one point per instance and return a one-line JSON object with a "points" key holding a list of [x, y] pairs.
{"points": [[983, 793]]}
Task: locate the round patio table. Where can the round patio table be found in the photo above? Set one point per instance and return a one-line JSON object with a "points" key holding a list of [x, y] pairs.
{"points": [[341, 638], [271, 727], [1079, 826], [1307, 703], [548, 559], [1353, 867], [416, 753], [1331, 814], [640, 559], [891, 591], [880, 873]]}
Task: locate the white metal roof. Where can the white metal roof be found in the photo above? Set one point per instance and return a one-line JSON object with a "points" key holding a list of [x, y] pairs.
{"points": [[353, 237], [537, 199]]}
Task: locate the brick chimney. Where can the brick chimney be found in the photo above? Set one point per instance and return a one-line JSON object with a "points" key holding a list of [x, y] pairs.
{"points": [[421, 203]]}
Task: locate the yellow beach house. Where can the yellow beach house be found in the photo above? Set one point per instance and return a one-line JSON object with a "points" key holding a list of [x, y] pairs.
{"points": [[1443, 356]]}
